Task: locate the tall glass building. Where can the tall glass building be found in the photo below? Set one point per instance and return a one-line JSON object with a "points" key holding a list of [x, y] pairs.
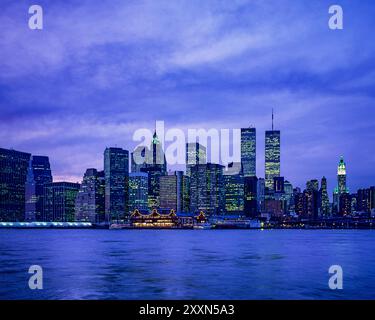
{"points": [[138, 191], [324, 198], [272, 157], [174, 192], [248, 151], [234, 189], [195, 154], [13, 173], [59, 201], [90, 201], [207, 191], [39, 173], [116, 172]]}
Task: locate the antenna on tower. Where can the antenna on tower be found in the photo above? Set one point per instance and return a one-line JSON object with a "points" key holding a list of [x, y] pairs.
{"points": [[272, 119]]}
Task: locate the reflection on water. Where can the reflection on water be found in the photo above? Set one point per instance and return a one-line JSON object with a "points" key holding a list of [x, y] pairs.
{"points": [[187, 264]]}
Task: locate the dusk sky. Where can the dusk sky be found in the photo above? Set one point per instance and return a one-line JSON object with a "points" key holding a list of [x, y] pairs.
{"points": [[99, 70]]}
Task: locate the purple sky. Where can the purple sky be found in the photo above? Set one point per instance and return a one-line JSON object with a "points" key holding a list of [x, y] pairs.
{"points": [[101, 69]]}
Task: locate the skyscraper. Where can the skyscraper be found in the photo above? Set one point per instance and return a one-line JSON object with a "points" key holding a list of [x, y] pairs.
{"points": [[90, 200], [341, 188], [251, 196], [174, 193], [234, 189], [207, 188], [156, 166], [195, 154], [13, 172], [324, 198], [59, 201], [248, 151], [138, 191], [116, 172], [272, 156], [38, 174], [155, 157]]}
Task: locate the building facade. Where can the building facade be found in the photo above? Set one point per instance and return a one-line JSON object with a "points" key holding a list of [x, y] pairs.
{"points": [[138, 191], [59, 201], [174, 192], [38, 174], [207, 189], [90, 200], [13, 173], [248, 151], [272, 157], [116, 173]]}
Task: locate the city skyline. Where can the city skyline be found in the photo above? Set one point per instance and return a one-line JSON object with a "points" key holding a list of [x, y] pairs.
{"points": [[70, 99]]}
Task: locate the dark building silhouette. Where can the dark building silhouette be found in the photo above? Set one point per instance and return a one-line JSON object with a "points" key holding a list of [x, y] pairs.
{"points": [[116, 172], [13, 172], [59, 201], [90, 200], [251, 196], [325, 206], [39, 173]]}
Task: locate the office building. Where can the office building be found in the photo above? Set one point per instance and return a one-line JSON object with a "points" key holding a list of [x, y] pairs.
{"points": [[138, 192], [59, 201], [207, 189], [38, 174], [13, 173], [116, 173], [272, 156], [90, 200], [248, 151]]}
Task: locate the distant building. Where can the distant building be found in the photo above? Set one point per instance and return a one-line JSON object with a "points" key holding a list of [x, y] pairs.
{"points": [[288, 195], [138, 191], [174, 192], [38, 174], [363, 200], [261, 193], [156, 166], [272, 156], [13, 172], [234, 189], [90, 200], [195, 154], [207, 189], [116, 173], [248, 151], [251, 196], [341, 189], [312, 185], [325, 206], [59, 201]]}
